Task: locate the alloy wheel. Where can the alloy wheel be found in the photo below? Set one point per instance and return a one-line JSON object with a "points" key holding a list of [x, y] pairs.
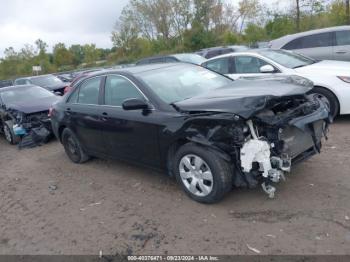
{"points": [[7, 133], [72, 147], [196, 175]]}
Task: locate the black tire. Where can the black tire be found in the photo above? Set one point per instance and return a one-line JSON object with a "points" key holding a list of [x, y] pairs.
{"points": [[10, 136], [332, 99], [73, 148], [221, 171]]}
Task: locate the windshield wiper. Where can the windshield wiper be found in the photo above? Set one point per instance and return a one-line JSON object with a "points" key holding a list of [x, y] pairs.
{"points": [[313, 62], [300, 66]]}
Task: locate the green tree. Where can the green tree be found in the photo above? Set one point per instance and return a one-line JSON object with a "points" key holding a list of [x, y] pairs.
{"points": [[77, 52], [254, 33], [61, 55], [91, 53]]}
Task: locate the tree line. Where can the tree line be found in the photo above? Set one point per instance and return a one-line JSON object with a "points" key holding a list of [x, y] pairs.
{"points": [[62, 58], [149, 27]]}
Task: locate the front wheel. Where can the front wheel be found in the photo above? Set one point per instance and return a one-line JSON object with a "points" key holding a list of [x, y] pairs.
{"points": [[329, 98], [9, 134], [202, 173], [72, 147]]}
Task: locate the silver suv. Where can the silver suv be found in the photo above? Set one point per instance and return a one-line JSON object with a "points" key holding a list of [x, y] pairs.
{"points": [[331, 43]]}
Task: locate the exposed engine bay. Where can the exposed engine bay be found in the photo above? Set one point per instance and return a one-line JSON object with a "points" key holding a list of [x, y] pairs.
{"points": [[264, 146], [30, 130]]}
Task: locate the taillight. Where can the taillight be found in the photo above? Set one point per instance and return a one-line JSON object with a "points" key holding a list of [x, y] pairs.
{"points": [[51, 110], [66, 89]]}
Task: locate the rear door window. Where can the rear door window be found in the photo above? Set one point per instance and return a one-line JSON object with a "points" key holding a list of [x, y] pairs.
{"points": [[89, 91], [220, 65], [157, 60], [248, 64], [342, 37], [213, 53]]}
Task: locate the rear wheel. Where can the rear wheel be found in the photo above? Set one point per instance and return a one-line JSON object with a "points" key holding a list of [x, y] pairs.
{"points": [[72, 147], [202, 173], [329, 98]]}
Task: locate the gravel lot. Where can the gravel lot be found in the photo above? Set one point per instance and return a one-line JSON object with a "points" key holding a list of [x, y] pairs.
{"points": [[49, 205]]}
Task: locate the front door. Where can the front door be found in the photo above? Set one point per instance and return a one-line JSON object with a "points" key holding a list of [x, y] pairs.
{"points": [[129, 134], [248, 66]]}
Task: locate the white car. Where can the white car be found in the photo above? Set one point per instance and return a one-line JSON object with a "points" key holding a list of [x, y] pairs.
{"points": [[331, 78]]}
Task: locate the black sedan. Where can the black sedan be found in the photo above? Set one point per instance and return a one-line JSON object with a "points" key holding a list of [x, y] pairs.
{"points": [[208, 131], [24, 113]]}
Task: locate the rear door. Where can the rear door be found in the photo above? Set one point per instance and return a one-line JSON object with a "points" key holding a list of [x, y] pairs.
{"points": [[221, 65], [129, 134], [85, 114], [342, 45]]}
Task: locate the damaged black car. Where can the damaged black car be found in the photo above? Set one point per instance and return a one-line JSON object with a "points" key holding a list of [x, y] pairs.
{"points": [[208, 131], [24, 113]]}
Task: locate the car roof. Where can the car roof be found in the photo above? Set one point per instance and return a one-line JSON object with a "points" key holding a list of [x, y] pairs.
{"points": [[214, 48], [286, 38], [247, 52], [33, 77], [15, 87], [140, 68], [153, 57], [161, 56]]}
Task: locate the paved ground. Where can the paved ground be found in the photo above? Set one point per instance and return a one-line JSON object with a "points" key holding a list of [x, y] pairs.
{"points": [[115, 207]]}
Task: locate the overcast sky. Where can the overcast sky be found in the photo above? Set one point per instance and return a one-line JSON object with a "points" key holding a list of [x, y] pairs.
{"points": [[67, 21]]}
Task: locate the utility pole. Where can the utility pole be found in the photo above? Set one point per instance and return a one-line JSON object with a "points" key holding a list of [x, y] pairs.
{"points": [[298, 14], [347, 10]]}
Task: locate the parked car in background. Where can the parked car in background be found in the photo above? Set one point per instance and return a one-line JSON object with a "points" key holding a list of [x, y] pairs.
{"points": [[4, 83], [49, 82], [186, 58], [220, 50], [65, 77], [331, 78], [322, 44], [78, 78], [24, 112], [208, 131]]}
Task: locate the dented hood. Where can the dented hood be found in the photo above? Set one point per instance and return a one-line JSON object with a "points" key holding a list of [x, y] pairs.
{"points": [[245, 97], [34, 106]]}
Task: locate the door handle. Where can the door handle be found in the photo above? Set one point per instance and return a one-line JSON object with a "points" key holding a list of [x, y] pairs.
{"points": [[68, 110], [104, 116], [341, 52]]}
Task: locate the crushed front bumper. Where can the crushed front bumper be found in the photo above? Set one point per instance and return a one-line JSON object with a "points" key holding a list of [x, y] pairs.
{"points": [[301, 138]]}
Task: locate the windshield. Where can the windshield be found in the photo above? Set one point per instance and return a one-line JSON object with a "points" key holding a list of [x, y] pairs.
{"points": [[24, 94], [191, 58], [173, 84], [287, 59], [46, 81]]}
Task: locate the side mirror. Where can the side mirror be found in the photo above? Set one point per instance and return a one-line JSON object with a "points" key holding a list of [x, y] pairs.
{"points": [[134, 104], [267, 69]]}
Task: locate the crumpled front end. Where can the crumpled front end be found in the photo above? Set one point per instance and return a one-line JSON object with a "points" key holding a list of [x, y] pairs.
{"points": [[289, 130], [33, 129]]}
